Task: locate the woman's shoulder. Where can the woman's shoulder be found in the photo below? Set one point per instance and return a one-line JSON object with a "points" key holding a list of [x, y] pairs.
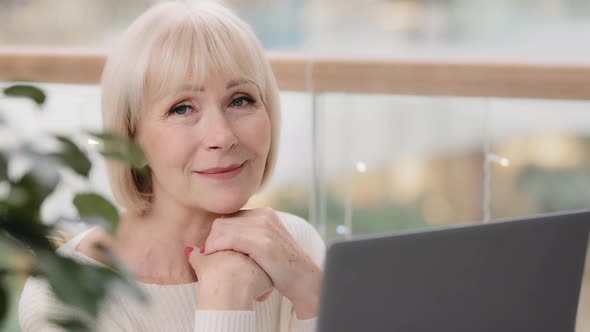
{"points": [[35, 304], [296, 225], [38, 302], [291, 220], [83, 246]]}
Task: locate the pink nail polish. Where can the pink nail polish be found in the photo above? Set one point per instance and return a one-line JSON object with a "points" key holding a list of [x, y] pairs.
{"points": [[202, 249], [188, 250]]}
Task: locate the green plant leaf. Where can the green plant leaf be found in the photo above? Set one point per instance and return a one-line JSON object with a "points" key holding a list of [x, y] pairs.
{"points": [[3, 167], [71, 324], [72, 156], [33, 187], [28, 91], [21, 226], [79, 285], [93, 207], [3, 302], [82, 286], [120, 148]]}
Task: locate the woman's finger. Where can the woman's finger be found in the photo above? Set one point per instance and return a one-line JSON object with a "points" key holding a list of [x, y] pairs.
{"points": [[238, 237], [264, 296], [194, 256]]}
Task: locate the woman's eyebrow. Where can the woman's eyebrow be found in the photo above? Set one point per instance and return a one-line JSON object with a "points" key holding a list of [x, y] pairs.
{"points": [[229, 85], [236, 82], [195, 88]]}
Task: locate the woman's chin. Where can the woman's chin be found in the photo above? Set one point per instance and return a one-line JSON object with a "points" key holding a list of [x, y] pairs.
{"points": [[226, 206], [226, 211]]}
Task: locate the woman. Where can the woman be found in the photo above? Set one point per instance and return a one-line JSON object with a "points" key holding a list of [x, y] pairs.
{"points": [[191, 85]]}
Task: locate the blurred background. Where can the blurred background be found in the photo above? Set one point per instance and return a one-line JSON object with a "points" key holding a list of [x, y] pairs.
{"points": [[356, 164]]}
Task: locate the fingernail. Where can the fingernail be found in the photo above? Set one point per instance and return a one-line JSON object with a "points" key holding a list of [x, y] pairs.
{"points": [[187, 251], [202, 249]]}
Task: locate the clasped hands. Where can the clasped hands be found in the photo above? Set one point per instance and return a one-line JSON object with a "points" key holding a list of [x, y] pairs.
{"points": [[245, 256]]}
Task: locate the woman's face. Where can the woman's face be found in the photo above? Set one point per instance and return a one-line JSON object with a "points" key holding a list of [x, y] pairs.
{"points": [[207, 145]]}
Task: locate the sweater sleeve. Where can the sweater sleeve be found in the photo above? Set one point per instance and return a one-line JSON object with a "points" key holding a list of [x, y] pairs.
{"points": [[307, 325], [225, 321]]}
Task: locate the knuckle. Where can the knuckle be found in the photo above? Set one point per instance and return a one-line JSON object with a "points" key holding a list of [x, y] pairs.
{"points": [[217, 224], [265, 221], [266, 243], [228, 241], [268, 234], [214, 228], [217, 231], [269, 212]]}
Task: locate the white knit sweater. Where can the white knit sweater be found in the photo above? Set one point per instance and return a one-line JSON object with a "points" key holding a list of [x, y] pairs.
{"points": [[171, 307]]}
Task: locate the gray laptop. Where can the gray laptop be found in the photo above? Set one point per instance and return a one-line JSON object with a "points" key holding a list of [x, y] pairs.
{"points": [[515, 275]]}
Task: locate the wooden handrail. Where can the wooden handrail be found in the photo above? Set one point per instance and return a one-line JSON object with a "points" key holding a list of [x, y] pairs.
{"points": [[512, 80]]}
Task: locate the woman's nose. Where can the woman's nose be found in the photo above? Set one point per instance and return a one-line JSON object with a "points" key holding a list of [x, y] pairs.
{"points": [[219, 134]]}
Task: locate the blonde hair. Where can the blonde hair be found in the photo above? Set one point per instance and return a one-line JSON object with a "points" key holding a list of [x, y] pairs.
{"points": [[156, 54]]}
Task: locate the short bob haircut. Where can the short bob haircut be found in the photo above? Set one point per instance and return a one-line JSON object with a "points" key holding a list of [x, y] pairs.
{"points": [[155, 57]]}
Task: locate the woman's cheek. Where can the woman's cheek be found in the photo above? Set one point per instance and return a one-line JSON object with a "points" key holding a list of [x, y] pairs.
{"points": [[256, 133], [166, 147]]}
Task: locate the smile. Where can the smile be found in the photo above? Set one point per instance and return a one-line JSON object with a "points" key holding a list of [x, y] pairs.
{"points": [[223, 173]]}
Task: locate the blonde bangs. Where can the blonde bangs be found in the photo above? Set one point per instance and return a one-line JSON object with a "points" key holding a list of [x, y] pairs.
{"points": [[197, 48]]}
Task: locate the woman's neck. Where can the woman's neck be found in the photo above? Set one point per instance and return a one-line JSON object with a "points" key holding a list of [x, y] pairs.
{"points": [[153, 244]]}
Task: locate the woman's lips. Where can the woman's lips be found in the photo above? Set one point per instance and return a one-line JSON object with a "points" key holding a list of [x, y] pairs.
{"points": [[223, 173]]}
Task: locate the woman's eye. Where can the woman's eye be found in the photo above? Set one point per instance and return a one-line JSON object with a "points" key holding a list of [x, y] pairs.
{"points": [[180, 110], [242, 101]]}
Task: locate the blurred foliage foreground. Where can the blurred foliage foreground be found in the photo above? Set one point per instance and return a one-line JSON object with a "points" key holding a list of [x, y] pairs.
{"points": [[34, 241]]}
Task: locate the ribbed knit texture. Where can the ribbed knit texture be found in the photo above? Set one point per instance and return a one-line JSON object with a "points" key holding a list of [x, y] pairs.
{"points": [[225, 321], [170, 307]]}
